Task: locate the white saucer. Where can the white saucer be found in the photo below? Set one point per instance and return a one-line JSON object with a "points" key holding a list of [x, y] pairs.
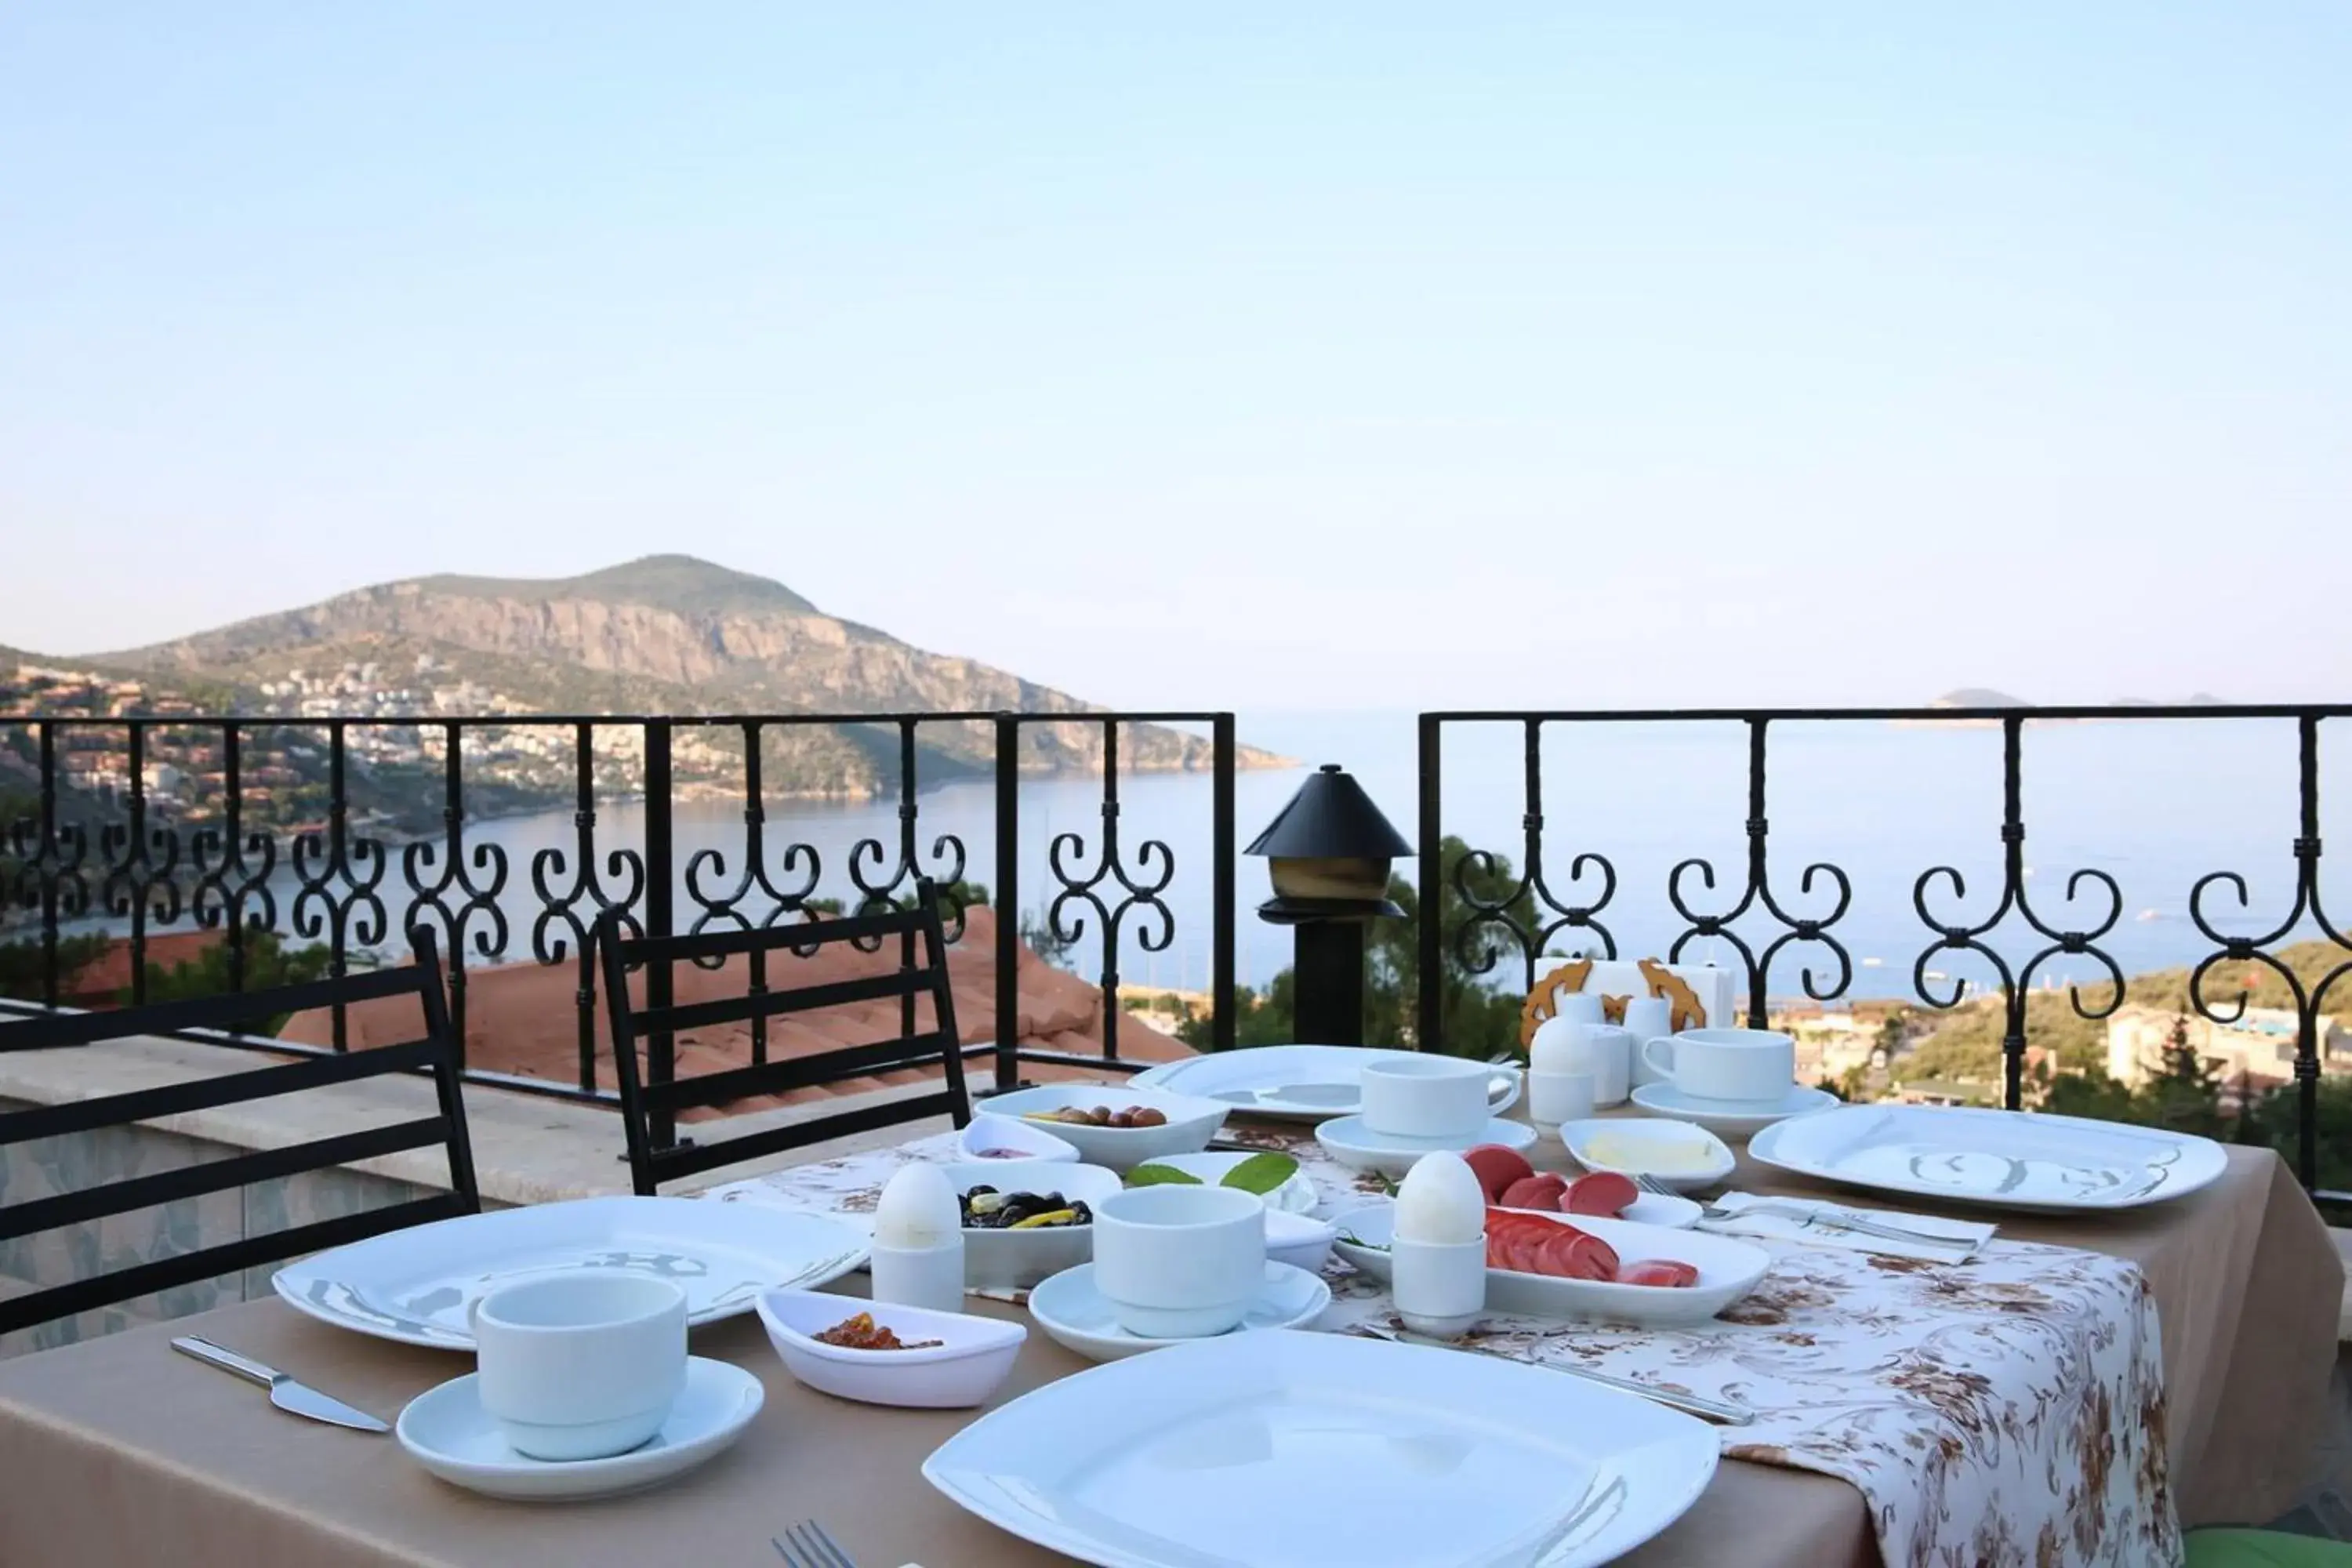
{"points": [[1732, 1118], [1347, 1140], [446, 1430], [1075, 1314]]}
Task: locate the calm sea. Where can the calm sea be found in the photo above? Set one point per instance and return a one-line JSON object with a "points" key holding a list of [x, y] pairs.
{"points": [[2155, 803]]}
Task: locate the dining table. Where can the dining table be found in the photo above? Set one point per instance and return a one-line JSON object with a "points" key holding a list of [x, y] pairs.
{"points": [[116, 1450]]}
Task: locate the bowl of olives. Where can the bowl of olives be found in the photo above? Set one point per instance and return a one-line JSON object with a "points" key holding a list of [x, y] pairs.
{"points": [[1023, 1223]]}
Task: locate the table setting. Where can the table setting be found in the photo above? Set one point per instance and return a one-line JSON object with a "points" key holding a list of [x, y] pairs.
{"points": [[1481, 1315]]}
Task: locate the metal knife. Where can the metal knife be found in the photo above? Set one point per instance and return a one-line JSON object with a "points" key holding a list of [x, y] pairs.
{"points": [[285, 1394], [1718, 1410]]}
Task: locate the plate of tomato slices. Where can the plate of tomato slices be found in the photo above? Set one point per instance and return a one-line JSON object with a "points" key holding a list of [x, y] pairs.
{"points": [[1552, 1264]]}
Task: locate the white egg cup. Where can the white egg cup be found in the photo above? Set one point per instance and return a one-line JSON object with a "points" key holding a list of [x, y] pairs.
{"points": [[1440, 1287], [1557, 1097]]}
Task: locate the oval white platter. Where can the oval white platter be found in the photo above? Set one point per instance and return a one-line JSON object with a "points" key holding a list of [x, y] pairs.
{"points": [[2000, 1159]]}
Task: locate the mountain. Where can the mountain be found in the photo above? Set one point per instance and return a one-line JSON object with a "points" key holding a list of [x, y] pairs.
{"points": [[1977, 697], [668, 633]]}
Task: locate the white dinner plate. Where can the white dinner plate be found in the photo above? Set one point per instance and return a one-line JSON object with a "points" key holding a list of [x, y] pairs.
{"points": [[1076, 1316], [1728, 1270], [1731, 1118], [446, 1430], [1303, 1450], [417, 1285], [2002, 1159], [1347, 1140], [1297, 1083]]}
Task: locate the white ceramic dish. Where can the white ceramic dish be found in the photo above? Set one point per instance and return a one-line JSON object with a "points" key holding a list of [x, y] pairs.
{"points": [[1301, 1240], [1075, 1314], [1728, 1270], [1295, 1196], [1016, 1259], [1347, 1140], [446, 1430], [975, 1357], [1297, 1083], [1029, 1142], [1616, 1143], [1731, 1118], [2002, 1159], [417, 1285], [1191, 1124], [1301, 1450]]}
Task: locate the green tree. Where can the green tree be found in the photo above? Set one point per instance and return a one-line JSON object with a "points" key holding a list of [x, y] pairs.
{"points": [[2182, 1092], [268, 962], [1480, 1018], [20, 963]]}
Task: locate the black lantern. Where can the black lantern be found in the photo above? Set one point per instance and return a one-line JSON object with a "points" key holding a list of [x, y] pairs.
{"points": [[1329, 852]]}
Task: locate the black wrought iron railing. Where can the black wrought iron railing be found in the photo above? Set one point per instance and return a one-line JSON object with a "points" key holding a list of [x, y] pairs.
{"points": [[297, 840], [1762, 929]]}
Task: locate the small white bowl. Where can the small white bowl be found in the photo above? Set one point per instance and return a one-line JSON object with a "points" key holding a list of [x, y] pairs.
{"points": [[1636, 1134], [1028, 1141], [1016, 1259], [1190, 1123], [1299, 1239], [977, 1355]]}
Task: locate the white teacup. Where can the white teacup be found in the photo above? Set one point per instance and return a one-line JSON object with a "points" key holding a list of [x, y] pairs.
{"points": [[1753, 1064], [581, 1367], [1425, 1096], [1180, 1262]]}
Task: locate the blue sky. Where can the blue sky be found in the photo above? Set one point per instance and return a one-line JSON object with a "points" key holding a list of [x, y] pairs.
{"points": [[1310, 355]]}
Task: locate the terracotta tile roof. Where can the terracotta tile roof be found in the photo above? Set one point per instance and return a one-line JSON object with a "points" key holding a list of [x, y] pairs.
{"points": [[520, 1018], [102, 983]]}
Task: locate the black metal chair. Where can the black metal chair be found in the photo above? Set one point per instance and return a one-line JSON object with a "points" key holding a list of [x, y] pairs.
{"points": [[437, 1051], [648, 1110]]}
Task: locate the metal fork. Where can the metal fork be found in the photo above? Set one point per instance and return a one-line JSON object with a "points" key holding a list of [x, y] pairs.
{"points": [[811, 1547], [1834, 1221]]}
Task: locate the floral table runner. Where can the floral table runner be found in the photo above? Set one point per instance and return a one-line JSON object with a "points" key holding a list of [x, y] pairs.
{"points": [[2007, 1410]]}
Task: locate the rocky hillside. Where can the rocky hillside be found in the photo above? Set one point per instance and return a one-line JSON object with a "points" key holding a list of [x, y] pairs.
{"points": [[666, 634]]}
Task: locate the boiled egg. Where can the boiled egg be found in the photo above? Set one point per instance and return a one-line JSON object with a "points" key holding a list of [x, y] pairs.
{"points": [[917, 1209], [1441, 1202], [1558, 1046]]}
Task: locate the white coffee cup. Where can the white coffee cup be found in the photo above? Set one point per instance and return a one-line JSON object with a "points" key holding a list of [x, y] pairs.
{"points": [[581, 1365], [1647, 1018], [1178, 1262], [1425, 1096], [1554, 1098], [1757, 1066]]}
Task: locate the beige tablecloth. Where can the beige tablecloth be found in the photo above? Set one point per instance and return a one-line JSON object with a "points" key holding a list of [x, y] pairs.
{"points": [[119, 1451]]}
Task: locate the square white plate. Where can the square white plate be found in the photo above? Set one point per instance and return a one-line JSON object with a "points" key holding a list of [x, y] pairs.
{"points": [[2003, 1159], [416, 1286], [1290, 1449]]}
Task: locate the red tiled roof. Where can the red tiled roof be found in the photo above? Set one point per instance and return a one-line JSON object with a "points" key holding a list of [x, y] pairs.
{"points": [[520, 1018], [103, 981]]}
